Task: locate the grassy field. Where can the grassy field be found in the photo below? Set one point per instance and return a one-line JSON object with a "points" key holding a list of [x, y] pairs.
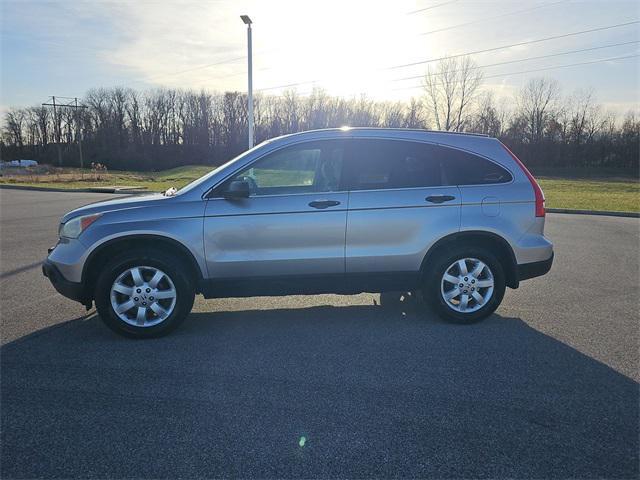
{"points": [[73, 178], [613, 195], [587, 194]]}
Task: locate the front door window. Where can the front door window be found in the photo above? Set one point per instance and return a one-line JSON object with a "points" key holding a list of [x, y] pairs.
{"points": [[307, 168]]}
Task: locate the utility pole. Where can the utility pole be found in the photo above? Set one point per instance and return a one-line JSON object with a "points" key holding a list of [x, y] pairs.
{"points": [[247, 21], [75, 107], [56, 126], [79, 134]]}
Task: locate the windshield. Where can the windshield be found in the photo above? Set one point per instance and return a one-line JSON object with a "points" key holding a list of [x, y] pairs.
{"points": [[205, 178]]}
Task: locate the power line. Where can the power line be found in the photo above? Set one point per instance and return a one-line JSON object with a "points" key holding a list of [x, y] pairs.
{"points": [[610, 59], [180, 72], [472, 53], [539, 57], [431, 7], [42, 41], [507, 74], [502, 47], [492, 18], [229, 75], [71, 104], [141, 80], [286, 85], [201, 67], [541, 69]]}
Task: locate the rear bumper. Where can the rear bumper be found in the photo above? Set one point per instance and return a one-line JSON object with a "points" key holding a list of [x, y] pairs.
{"points": [[72, 290], [535, 269]]}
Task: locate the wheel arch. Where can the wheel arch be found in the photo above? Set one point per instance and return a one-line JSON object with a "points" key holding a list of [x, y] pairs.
{"points": [[491, 241], [101, 254]]}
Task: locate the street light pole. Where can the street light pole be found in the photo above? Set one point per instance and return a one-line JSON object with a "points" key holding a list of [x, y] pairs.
{"points": [[247, 22]]}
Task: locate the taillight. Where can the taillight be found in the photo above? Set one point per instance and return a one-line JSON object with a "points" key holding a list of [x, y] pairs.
{"points": [[539, 195]]}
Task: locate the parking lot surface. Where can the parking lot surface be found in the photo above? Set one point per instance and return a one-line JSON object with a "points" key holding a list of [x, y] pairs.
{"points": [[546, 387]]}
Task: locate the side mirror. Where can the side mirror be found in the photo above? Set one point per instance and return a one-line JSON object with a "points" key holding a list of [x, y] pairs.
{"points": [[237, 189]]}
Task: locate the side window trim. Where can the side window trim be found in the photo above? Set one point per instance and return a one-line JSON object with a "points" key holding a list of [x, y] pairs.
{"points": [[344, 186]]}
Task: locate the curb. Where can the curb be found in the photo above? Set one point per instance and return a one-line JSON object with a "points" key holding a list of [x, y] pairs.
{"points": [[73, 190], [594, 212]]}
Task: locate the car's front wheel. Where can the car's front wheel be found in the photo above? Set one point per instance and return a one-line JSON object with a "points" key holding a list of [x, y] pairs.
{"points": [[143, 294], [466, 285]]}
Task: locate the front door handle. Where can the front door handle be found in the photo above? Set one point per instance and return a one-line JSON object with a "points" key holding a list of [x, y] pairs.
{"points": [[440, 198], [321, 204]]}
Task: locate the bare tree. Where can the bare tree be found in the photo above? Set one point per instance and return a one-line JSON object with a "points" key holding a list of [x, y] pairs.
{"points": [[15, 124], [489, 117], [393, 114], [586, 117], [163, 128], [630, 140], [537, 102], [414, 115], [450, 91], [42, 118], [132, 108]]}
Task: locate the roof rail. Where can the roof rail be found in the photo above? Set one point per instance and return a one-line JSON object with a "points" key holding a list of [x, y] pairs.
{"points": [[422, 130]]}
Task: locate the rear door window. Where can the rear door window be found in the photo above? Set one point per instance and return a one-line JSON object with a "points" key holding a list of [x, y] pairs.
{"points": [[375, 164], [463, 168]]}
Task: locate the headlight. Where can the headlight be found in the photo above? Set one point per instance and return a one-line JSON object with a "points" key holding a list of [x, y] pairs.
{"points": [[74, 227]]}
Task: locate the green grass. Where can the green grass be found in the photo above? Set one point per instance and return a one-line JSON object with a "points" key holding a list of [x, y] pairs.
{"points": [[612, 195], [279, 178], [73, 178], [182, 174], [587, 194]]}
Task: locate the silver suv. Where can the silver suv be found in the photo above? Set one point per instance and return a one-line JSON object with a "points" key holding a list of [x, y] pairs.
{"points": [[456, 217]]}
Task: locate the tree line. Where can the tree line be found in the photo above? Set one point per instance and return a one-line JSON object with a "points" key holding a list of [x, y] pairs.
{"points": [[126, 129]]}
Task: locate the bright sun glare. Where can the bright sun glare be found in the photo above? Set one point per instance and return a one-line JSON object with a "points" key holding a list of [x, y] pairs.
{"points": [[343, 48]]}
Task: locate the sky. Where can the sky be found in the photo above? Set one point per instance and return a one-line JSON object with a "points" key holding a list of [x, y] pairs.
{"points": [[347, 47]]}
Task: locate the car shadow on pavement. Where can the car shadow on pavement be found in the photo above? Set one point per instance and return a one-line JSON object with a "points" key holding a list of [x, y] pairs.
{"points": [[23, 268], [354, 391]]}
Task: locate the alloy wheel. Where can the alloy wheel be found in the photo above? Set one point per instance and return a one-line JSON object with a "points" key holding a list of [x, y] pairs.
{"points": [[143, 296], [467, 285]]}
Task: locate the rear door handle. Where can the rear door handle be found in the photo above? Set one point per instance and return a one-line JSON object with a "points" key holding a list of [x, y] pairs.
{"points": [[321, 204], [440, 198]]}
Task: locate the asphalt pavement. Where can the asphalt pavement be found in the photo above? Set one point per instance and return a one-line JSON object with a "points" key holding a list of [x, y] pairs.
{"points": [[547, 387]]}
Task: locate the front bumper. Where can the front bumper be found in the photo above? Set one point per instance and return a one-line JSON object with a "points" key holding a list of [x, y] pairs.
{"points": [[534, 269], [74, 291]]}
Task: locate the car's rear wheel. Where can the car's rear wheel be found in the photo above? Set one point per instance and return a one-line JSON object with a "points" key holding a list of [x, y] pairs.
{"points": [[466, 285], [143, 294]]}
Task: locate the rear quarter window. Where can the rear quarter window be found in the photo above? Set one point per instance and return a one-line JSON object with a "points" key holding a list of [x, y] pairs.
{"points": [[464, 168]]}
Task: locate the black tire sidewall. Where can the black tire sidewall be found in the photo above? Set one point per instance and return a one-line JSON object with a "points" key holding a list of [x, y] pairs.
{"points": [[184, 288], [433, 286]]}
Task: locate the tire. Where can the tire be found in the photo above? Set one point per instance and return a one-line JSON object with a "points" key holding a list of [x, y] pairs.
{"points": [[175, 294], [454, 310]]}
